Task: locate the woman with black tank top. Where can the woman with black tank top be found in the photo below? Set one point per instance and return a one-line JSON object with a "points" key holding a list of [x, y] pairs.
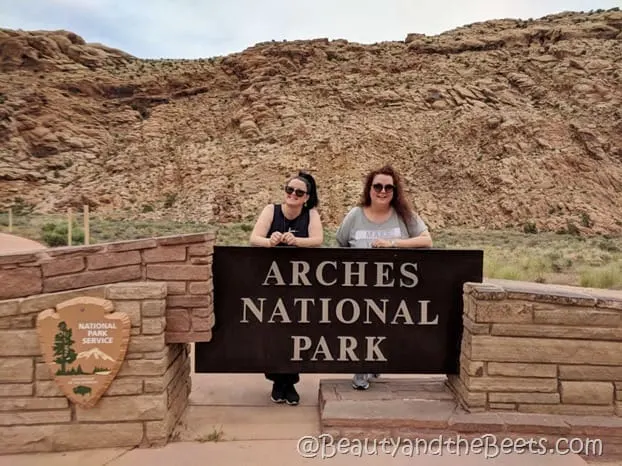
{"points": [[294, 223]]}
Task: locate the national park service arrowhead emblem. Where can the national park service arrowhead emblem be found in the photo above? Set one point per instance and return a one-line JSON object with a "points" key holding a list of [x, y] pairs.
{"points": [[84, 344]]}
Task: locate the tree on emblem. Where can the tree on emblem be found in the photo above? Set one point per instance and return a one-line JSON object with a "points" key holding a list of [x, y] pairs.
{"points": [[63, 351]]}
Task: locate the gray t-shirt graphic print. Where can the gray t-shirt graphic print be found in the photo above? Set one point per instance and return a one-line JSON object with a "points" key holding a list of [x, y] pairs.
{"points": [[357, 231]]}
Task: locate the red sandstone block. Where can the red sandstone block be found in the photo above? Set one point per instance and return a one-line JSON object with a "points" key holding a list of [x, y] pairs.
{"points": [[186, 239], [62, 266], [540, 423], [203, 311], [15, 259], [475, 422], [91, 278], [175, 288], [112, 259], [594, 425], [177, 320], [188, 301], [165, 254], [188, 337], [201, 324], [15, 283], [201, 250], [132, 245], [178, 272], [201, 260], [29, 264], [72, 251], [200, 287]]}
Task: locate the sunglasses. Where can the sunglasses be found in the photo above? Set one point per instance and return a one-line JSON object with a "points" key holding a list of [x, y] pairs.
{"points": [[299, 192], [387, 187]]}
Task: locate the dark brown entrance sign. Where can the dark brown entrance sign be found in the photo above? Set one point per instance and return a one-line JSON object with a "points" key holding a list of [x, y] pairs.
{"points": [[84, 343], [337, 310]]}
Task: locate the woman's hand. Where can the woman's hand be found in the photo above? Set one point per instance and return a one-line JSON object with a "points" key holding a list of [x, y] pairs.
{"points": [[276, 238], [381, 243], [289, 239]]}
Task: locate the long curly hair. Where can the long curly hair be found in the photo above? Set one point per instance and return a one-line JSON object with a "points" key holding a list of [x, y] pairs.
{"points": [[399, 201]]}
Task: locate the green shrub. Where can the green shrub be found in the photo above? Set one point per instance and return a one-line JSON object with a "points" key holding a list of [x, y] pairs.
{"points": [[169, 200], [530, 227], [608, 245], [586, 221], [55, 234]]}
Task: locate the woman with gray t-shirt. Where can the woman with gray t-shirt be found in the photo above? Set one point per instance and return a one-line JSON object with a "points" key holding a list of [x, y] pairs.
{"points": [[383, 219]]}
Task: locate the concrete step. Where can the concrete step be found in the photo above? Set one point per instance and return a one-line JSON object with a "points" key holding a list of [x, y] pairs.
{"points": [[411, 409]]}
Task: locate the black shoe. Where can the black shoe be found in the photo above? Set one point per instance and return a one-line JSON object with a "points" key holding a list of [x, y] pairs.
{"points": [[291, 395], [278, 393]]}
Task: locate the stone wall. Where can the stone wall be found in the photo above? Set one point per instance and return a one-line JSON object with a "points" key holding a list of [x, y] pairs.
{"points": [[183, 262], [537, 348], [140, 408]]}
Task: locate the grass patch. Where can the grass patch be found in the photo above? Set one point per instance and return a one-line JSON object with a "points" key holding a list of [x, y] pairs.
{"points": [[608, 276], [52, 229], [216, 435], [565, 259]]}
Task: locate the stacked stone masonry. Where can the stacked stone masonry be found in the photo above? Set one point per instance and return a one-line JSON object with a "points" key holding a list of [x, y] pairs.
{"points": [[184, 262], [140, 408], [536, 348]]}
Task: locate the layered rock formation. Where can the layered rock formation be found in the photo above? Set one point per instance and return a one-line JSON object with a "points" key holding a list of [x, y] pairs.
{"points": [[495, 124]]}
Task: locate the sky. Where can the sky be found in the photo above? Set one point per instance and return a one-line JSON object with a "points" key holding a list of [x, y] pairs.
{"points": [[209, 28]]}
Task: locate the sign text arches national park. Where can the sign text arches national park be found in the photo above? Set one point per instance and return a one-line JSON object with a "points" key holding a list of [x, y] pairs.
{"points": [[337, 310]]}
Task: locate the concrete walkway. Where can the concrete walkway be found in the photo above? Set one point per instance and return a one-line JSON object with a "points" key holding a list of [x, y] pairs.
{"points": [[12, 244], [231, 421]]}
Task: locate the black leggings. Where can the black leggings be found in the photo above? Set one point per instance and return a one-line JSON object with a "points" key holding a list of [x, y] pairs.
{"points": [[283, 379]]}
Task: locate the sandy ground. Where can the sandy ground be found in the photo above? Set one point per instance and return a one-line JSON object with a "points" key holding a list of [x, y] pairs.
{"points": [[11, 244]]}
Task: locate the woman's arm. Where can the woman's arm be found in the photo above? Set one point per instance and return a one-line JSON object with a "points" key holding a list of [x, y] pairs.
{"points": [[424, 240], [262, 226], [421, 236], [316, 232]]}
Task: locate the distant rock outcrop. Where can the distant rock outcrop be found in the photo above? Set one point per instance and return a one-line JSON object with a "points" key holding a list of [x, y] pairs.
{"points": [[53, 50], [495, 124]]}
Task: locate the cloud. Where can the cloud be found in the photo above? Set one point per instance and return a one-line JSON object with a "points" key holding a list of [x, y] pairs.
{"points": [[196, 28]]}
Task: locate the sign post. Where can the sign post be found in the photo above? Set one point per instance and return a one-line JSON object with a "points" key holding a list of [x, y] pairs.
{"points": [[337, 310]]}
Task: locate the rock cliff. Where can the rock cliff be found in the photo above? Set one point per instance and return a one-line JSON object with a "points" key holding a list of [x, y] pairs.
{"points": [[495, 124]]}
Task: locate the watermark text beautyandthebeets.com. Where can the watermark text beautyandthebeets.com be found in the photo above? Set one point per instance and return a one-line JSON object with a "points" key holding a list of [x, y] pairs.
{"points": [[489, 445]]}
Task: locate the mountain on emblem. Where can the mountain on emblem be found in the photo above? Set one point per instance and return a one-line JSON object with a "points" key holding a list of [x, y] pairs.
{"points": [[94, 353]]}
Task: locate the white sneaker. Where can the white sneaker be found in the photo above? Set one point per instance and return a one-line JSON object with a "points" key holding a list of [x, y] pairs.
{"points": [[360, 381]]}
